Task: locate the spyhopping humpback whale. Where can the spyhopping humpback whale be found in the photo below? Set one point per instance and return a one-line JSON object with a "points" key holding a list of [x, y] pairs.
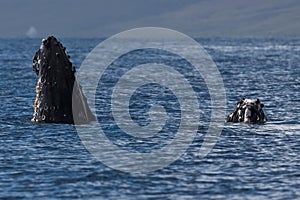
{"points": [[248, 111], [57, 89]]}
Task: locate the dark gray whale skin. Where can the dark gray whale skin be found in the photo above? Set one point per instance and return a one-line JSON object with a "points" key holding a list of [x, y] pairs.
{"points": [[57, 89], [248, 111]]}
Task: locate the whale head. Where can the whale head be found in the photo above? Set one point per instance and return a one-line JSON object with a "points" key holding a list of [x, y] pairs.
{"points": [[248, 111], [56, 85]]}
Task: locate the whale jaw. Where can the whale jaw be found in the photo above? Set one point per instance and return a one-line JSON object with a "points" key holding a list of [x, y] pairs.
{"points": [[248, 111], [57, 89]]}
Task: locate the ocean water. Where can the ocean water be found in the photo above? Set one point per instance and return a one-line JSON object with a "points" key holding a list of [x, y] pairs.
{"points": [[248, 161]]}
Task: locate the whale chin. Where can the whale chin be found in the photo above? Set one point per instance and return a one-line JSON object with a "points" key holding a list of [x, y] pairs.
{"points": [[248, 111], [247, 120], [57, 89]]}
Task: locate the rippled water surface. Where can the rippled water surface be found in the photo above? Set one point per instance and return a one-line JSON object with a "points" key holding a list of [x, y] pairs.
{"points": [[248, 161]]}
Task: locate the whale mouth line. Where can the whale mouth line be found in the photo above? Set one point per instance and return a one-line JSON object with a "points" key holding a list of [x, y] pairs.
{"points": [[248, 111], [57, 89]]}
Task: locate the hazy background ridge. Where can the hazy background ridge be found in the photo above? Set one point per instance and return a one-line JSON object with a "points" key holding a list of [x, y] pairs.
{"points": [[204, 18]]}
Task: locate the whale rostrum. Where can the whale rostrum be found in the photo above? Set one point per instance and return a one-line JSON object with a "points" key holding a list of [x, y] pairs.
{"points": [[248, 111], [57, 89]]}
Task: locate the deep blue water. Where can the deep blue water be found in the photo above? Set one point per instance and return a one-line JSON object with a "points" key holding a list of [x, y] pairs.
{"points": [[248, 162]]}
